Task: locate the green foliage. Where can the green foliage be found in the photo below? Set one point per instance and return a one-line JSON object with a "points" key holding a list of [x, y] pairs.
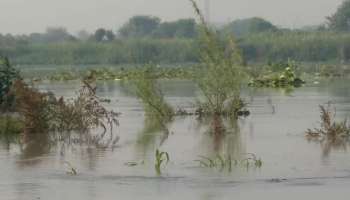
{"points": [[227, 162], [306, 46], [248, 26], [148, 26], [340, 21], [8, 75], [161, 158], [118, 51], [220, 73]]}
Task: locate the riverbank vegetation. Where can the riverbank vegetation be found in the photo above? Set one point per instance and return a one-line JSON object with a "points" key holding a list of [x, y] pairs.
{"points": [[299, 45]]}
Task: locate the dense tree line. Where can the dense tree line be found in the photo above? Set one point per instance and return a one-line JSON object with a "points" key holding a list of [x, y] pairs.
{"points": [[144, 39]]}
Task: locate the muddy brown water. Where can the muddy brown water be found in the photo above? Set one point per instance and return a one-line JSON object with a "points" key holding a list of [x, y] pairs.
{"points": [[293, 167]]}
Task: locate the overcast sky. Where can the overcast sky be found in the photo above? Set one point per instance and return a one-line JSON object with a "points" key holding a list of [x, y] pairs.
{"points": [[25, 16]]}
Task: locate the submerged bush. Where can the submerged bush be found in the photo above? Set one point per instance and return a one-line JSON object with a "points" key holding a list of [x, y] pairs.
{"points": [[329, 127], [44, 113], [84, 113], [33, 106], [227, 162]]}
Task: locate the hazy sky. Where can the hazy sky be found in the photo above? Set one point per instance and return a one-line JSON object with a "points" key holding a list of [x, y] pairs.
{"points": [[25, 16]]}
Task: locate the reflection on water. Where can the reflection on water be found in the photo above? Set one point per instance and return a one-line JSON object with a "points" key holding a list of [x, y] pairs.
{"points": [[329, 144], [33, 146], [153, 135], [225, 137]]}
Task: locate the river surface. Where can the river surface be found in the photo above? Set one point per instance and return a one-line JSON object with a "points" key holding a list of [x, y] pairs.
{"points": [[293, 167]]}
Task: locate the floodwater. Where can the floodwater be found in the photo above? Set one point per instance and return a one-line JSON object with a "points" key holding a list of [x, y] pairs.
{"points": [[293, 167]]}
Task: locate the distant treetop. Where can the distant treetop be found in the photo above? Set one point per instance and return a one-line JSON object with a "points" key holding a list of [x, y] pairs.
{"points": [[247, 26], [340, 20]]}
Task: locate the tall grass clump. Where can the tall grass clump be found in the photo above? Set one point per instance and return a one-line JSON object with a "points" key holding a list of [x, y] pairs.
{"points": [[148, 91], [219, 75]]}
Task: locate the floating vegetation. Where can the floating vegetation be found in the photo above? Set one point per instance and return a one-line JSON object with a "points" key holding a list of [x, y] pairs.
{"points": [[284, 79], [227, 162], [106, 74], [219, 75], [161, 158], [64, 76]]}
